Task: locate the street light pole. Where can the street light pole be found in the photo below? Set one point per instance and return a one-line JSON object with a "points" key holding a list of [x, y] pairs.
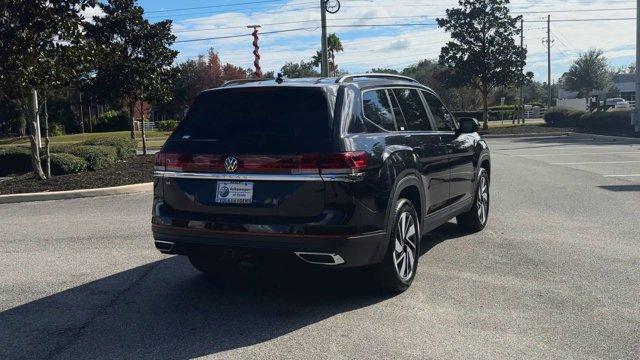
{"points": [[324, 68], [549, 62], [637, 111]]}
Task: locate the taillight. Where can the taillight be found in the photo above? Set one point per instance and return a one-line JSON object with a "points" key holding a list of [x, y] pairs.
{"points": [[337, 163], [343, 163], [159, 161]]}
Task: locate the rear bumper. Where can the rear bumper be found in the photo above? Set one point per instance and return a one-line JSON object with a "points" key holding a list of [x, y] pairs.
{"points": [[360, 250]]}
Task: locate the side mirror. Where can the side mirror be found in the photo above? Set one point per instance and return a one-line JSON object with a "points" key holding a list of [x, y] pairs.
{"points": [[468, 125]]}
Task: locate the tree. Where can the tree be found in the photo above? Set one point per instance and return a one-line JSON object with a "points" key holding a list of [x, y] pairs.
{"points": [[131, 53], [482, 52], [588, 73], [299, 70], [232, 72], [37, 50], [384, 71], [334, 45]]}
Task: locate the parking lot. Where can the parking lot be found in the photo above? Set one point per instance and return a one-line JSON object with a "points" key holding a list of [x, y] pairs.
{"points": [[556, 274]]}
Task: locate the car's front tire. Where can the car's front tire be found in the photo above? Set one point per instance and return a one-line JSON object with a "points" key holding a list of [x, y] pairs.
{"points": [[476, 219], [397, 271]]}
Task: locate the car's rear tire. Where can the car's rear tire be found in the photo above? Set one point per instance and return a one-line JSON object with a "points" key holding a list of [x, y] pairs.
{"points": [[476, 219], [397, 271]]}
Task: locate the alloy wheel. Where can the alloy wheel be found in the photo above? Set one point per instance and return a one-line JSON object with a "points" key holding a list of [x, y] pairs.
{"points": [[483, 200], [405, 250]]}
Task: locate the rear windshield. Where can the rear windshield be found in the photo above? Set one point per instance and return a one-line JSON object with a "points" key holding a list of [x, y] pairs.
{"points": [[259, 120]]}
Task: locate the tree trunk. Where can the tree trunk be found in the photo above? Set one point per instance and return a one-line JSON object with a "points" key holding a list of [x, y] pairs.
{"points": [[81, 115], [32, 121], [588, 96], [133, 119], [485, 109], [144, 135], [46, 138], [90, 118]]}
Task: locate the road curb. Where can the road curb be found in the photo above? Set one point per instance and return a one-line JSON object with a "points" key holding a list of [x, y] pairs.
{"points": [[498, 136], [75, 194], [607, 137]]}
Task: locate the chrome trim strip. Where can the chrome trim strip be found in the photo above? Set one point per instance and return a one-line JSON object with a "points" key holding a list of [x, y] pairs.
{"points": [[337, 259], [259, 177]]}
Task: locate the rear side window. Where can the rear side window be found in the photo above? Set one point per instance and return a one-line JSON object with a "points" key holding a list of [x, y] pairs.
{"points": [[444, 121], [413, 109], [272, 120], [378, 110]]}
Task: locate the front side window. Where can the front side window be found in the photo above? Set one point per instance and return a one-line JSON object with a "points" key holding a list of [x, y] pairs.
{"points": [[413, 109], [377, 109], [443, 119]]}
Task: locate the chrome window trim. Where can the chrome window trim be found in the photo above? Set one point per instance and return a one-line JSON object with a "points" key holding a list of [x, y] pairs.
{"points": [[259, 177]]}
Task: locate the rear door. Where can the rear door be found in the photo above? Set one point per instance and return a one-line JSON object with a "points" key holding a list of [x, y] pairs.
{"points": [[249, 152], [426, 143], [458, 147]]}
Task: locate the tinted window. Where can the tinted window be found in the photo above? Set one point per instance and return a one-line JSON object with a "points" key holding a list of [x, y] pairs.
{"points": [[377, 109], [258, 120], [397, 111], [413, 109], [442, 118]]}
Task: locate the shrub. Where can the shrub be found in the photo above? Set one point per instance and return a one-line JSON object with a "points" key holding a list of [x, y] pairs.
{"points": [[614, 120], [15, 161], [61, 148], [563, 117], [62, 164], [97, 157], [167, 125], [112, 121], [56, 129], [126, 148]]}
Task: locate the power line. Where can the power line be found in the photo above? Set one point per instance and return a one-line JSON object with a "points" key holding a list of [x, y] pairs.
{"points": [[210, 6]]}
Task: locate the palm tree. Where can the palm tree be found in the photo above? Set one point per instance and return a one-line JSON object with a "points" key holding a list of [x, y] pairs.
{"points": [[334, 45]]}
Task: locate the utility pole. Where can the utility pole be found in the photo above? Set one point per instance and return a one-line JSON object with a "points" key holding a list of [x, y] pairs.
{"points": [[324, 68], [549, 61], [522, 85], [637, 112], [256, 50]]}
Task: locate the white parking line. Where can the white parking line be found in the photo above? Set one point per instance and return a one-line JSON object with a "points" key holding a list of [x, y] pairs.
{"points": [[598, 162], [579, 154], [630, 175]]}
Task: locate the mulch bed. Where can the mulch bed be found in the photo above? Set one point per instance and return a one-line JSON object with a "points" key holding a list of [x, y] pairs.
{"points": [[138, 169], [524, 129]]}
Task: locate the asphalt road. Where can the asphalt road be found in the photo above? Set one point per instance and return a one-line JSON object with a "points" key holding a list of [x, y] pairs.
{"points": [[555, 275]]}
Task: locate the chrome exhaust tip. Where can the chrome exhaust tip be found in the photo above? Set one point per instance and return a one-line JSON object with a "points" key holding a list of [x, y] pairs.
{"points": [[164, 246], [316, 258]]}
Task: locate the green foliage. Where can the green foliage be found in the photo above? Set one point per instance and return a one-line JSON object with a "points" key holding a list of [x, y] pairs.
{"points": [[612, 120], [482, 52], [14, 161], [478, 115], [334, 46], [563, 117], [132, 54], [301, 70], [56, 129], [97, 157], [112, 121], [588, 73], [167, 125], [125, 148], [62, 164], [61, 148]]}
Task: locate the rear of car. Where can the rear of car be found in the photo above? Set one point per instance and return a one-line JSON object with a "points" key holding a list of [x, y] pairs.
{"points": [[249, 168]]}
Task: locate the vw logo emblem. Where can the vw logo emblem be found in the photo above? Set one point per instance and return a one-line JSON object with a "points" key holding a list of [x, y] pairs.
{"points": [[231, 164]]}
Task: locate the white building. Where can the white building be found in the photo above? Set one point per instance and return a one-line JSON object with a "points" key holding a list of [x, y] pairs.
{"points": [[623, 82]]}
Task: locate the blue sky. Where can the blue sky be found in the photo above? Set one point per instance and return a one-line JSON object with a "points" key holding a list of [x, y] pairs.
{"points": [[392, 46]]}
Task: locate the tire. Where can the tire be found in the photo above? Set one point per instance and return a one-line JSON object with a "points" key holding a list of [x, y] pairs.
{"points": [[397, 271], [212, 264], [476, 219]]}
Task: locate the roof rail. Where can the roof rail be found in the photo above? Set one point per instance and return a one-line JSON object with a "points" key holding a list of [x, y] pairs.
{"points": [[239, 82], [375, 75]]}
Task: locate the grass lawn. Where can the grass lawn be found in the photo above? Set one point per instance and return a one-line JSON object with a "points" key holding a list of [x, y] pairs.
{"points": [[154, 138]]}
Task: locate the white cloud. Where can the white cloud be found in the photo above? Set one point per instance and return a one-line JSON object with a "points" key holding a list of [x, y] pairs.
{"points": [[365, 47]]}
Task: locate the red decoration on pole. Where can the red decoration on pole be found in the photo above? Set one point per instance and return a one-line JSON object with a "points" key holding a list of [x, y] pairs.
{"points": [[256, 50]]}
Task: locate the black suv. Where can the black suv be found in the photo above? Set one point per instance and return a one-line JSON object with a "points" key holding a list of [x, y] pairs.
{"points": [[336, 172]]}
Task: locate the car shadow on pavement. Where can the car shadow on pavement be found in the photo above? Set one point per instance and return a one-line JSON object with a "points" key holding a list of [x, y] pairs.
{"points": [[448, 231], [168, 310], [621, 188]]}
